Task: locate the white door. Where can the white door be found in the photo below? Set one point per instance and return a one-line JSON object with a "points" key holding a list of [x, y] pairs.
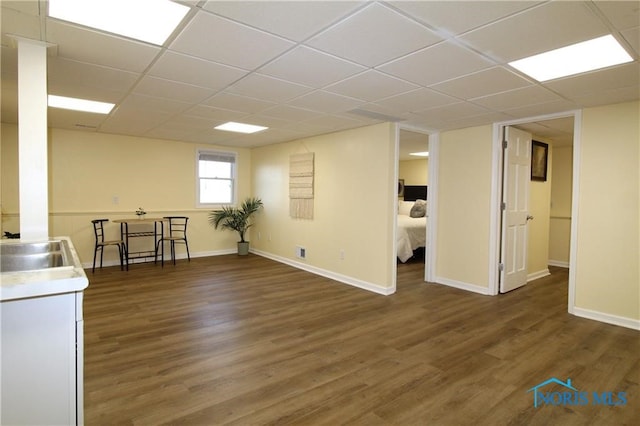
{"points": [[515, 208]]}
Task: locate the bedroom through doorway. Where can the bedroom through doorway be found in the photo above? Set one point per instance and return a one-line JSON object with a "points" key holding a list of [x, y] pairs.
{"points": [[413, 185]]}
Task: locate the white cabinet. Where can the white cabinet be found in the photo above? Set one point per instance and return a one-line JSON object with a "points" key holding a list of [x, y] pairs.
{"points": [[42, 360], [41, 351]]}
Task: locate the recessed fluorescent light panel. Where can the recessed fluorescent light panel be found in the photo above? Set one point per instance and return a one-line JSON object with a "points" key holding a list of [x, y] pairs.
{"points": [[152, 21], [420, 154], [240, 127], [586, 56], [79, 104]]}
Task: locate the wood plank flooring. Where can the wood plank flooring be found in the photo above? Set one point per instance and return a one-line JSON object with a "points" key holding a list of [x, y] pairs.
{"points": [[248, 341]]}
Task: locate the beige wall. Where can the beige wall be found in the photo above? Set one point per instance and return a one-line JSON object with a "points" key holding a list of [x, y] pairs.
{"points": [[87, 170], [560, 222], [414, 172], [464, 211], [608, 252], [353, 187], [539, 208]]}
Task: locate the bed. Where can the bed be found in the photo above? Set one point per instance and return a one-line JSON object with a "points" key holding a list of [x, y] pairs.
{"points": [[412, 233]]}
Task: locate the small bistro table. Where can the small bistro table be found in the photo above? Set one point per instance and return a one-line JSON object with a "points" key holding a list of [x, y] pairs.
{"points": [[157, 233]]}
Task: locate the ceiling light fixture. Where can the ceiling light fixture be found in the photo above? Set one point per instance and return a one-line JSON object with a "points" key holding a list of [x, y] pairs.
{"points": [[79, 104], [586, 56], [420, 154], [152, 21], [240, 127]]}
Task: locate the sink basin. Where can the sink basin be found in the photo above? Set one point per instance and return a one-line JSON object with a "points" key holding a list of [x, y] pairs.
{"points": [[24, 256], [39, 268]]}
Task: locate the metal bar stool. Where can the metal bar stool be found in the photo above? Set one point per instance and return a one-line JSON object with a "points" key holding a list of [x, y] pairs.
{"points": [[98, 229]]}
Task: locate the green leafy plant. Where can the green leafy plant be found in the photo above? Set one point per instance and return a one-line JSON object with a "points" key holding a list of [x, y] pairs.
{"points": [[234, 218]]}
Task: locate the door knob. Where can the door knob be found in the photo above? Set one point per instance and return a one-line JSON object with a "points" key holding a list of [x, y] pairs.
{"points": [[529, 217]]}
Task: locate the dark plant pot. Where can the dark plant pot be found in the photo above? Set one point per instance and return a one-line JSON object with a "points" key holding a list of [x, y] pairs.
{"points": [[243, 248]]}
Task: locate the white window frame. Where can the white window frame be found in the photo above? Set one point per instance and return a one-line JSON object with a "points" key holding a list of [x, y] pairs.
{"points": [[234, 177]]}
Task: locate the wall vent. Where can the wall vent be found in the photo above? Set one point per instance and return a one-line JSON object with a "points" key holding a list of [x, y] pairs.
{"points": [[301, 252]]}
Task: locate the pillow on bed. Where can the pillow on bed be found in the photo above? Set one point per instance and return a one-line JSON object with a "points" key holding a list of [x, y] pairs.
{"points": [[419, 209], [404, 207]]}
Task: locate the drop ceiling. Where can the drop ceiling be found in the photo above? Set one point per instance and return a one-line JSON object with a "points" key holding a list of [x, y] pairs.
{"points": [[308, 68]]}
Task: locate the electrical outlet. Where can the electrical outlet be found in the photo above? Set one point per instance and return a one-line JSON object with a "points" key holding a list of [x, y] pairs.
{"points": [[341, 254], [115, 199], [259, 235]]}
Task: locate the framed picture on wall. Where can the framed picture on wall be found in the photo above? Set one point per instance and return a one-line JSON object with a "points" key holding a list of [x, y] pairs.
{"points": [[539, 155], [400, 187]]}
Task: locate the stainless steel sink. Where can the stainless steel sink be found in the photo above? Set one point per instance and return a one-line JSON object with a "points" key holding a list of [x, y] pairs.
{"points": [[15, 257]]}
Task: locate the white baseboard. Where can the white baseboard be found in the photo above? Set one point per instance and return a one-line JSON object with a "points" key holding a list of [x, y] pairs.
{"points": [[607, 318], [539, 274], [106, 263], [463, 286], [558, 263], [328, 274]]}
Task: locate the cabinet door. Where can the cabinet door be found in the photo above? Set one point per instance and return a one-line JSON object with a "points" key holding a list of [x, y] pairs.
{"points": [[39, 360]]}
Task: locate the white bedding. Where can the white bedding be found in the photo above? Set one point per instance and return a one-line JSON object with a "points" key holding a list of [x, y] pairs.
{"points": [[411, 235]]}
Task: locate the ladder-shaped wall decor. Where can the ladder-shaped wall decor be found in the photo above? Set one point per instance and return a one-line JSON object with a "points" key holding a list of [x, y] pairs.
{"points": [[301, 185]]}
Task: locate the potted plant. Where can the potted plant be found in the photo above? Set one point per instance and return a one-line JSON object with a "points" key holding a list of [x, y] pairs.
{"points": [[237, 219]]}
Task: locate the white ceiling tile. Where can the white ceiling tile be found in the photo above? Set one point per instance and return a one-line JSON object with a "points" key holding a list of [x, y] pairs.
{"points": [[371, 86], [457, 17], [240, 103], [622, 14], [267, 88], [212, 137], [310, 67], [74, 120], [516, 98], [475, 120], [195, 71], [217, 115], [159, 87], [482, 83], [624, 94], [134, 120], [99, 48], [185, 123], [266, 121], [328, 121], [153, 104], [28, 7], [376, 35], [540, 29], [287, 112], [618, 77], [437, 63], [218, 39], [71, 78], [20, 20], [632, 36], [295, 20], [541, 109], [164, 94], [326, 102], [416, 100], [453, 112]]}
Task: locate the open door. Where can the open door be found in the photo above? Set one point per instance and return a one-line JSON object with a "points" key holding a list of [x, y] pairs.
{"points": [[515, 208]]}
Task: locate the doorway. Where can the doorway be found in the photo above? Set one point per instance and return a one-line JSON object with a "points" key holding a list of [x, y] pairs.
{"points": [[551, 224], [413, 184]]}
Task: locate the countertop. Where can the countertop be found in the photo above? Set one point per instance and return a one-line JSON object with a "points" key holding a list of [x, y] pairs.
{"points": [[43, 282]]}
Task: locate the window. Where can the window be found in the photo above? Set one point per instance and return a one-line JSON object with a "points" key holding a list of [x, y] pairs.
{"points": [[216, 183]]}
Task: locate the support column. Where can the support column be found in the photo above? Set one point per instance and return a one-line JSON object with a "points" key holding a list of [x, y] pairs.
{"points": [[32, 139]]}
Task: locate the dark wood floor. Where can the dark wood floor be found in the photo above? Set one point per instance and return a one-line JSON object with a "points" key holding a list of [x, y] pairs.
{"points": [[248, 341]]}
